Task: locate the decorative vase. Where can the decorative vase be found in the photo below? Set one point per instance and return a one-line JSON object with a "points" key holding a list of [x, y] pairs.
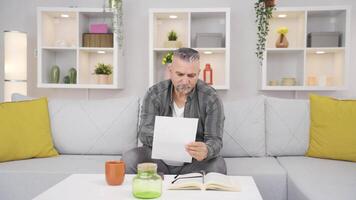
{"points": [[72, 73], [172, 44], [55, 73], [282, 41], [103, 79]]}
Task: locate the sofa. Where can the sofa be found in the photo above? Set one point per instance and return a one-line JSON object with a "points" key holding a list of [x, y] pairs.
{"points": [[264, 137]]}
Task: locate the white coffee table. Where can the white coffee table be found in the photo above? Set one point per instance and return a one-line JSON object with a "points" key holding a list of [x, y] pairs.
{"points": [[93, 186]]}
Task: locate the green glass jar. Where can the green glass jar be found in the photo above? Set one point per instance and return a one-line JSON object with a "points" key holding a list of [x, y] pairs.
{"points": [[147, 184]]}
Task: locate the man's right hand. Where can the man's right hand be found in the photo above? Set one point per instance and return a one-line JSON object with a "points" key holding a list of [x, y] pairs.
{"points": [[197, 150]]}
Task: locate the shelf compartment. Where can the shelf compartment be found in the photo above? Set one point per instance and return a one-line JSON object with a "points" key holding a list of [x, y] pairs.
{"points": [[81, 58], [65, 59], [210, 28], [88, 18], [327, 21], [216, 59], [294, 21], [88, 59], [192, 21], [59, 29], [325, 67], [285, 64], [163, 24]]}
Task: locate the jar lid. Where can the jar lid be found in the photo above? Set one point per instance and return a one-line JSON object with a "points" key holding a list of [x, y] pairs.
{"points": [[147, 167]]}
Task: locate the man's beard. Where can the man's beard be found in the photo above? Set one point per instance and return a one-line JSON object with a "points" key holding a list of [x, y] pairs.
{"points": [[184, 88]]}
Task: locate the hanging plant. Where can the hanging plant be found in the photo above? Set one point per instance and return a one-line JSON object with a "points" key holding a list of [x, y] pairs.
{"points": [[117, 21], [264, 9]]}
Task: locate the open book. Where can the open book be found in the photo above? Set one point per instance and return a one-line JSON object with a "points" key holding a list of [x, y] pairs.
{"points": [[210, 181]]}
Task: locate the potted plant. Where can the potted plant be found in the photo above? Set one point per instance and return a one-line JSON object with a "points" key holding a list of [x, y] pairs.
{"points": [[172, 40], [172, 36], [103, 73], [167, 60], [264, 9]]}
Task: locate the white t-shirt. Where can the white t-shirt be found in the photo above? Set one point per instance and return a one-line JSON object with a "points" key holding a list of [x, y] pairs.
{"points": [[177, 112]]}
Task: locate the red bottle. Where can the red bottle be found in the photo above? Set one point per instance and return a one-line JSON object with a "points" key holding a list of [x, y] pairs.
{"points": [[208, 74]]}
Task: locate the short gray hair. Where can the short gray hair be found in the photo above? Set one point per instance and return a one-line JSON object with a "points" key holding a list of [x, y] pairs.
{"points": [[187, 54]]}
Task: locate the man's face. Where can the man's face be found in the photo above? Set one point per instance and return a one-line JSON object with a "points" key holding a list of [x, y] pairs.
{"points": [[184, 75]]}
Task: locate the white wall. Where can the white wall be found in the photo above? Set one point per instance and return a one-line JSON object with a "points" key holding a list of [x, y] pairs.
{"points": [[245, 71]]}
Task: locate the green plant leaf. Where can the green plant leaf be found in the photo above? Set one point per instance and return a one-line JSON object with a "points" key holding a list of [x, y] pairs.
{"points": [[102, 68]]}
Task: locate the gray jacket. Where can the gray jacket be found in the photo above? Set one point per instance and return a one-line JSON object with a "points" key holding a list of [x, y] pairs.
{"points": [[202, 103]]}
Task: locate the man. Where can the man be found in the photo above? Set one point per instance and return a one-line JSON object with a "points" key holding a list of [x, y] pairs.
{"points": [[184, 95]]}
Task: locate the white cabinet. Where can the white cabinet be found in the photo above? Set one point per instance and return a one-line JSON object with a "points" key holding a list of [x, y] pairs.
{"points": [[205, 30], [60, 42], [317, 57]]}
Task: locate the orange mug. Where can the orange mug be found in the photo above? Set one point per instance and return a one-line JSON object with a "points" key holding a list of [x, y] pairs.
{"points": [[114, 172]]}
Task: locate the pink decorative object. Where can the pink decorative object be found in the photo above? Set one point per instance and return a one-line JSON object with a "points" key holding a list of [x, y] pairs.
{"points": [[98, 28]]}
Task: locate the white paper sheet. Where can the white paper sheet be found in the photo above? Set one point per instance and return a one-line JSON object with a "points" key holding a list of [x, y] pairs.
{"points": [[170, 136]]}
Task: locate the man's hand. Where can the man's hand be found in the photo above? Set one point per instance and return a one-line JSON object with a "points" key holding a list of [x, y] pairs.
{"points": [[197, 150]]}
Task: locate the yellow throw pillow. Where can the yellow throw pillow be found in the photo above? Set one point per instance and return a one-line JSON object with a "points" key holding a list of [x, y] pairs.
{"points": [[25, 130], [332, 128]]}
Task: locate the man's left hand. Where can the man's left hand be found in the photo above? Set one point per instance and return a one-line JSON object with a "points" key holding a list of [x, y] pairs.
{"points": [[197, 150]]}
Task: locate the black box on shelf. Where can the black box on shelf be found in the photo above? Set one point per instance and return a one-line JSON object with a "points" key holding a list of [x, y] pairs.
{"points": [[324, 39], [98, 40]]}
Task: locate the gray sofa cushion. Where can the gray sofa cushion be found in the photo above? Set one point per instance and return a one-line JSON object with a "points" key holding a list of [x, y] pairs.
{"points": [[25, 179], [244, 130], [287, 126], [319, 179], [270, 177]]}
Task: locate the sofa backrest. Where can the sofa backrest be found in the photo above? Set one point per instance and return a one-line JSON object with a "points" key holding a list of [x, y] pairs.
{"points": [[287, 126], [244, 129], [258, 126]]}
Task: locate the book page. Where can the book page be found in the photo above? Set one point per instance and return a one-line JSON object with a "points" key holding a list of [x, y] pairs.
{"points": [[217, 181], [187, 182]]}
